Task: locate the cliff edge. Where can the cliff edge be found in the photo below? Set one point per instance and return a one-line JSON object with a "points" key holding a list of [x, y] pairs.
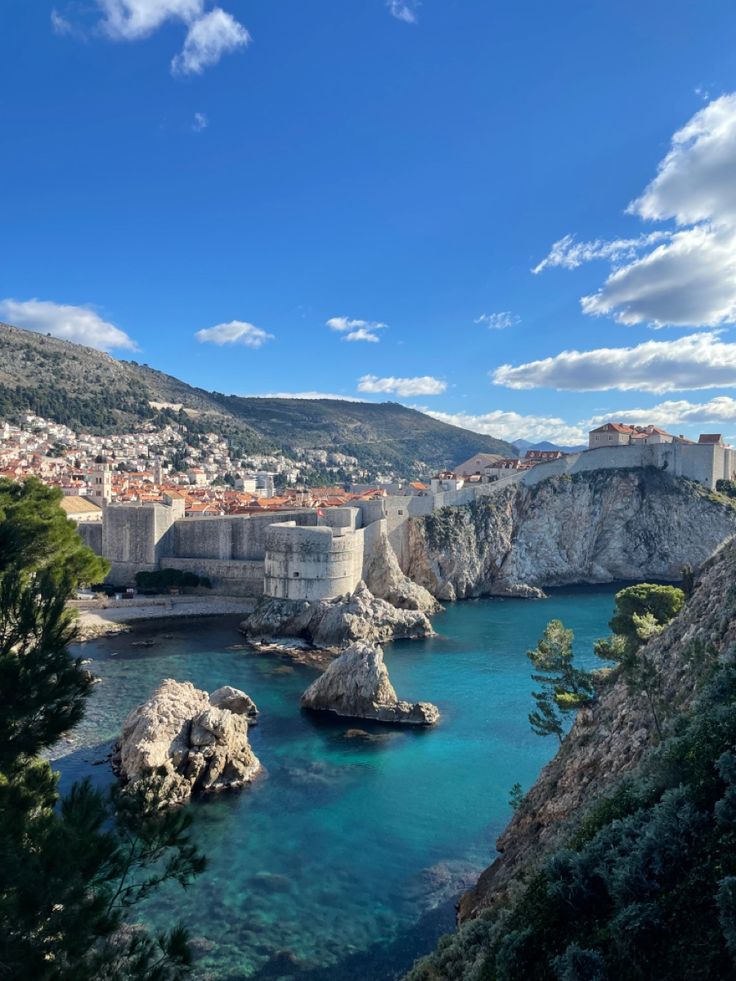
{"points": [[602, 526]]}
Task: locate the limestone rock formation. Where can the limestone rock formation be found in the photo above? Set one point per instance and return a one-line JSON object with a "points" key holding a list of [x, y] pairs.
{"points": [[201, 746], [335, 623], [594, 527], [356, 685], [384, 578], [236, 701]]}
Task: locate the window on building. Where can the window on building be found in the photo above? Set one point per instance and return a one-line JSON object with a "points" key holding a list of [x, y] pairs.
{"points": [[296, 575]]}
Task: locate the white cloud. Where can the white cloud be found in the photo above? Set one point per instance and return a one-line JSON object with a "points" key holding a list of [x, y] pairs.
{"points": [[569, 254], [405, 10], [356, 330], [81, 325], [422, 385], [720, 409], [234, 332], [498, 321], [697, 361], [200, 122], [208, 39], [688, 282], [60, 25], [512, 425], [695, 181], [686, 278], [130, 20], [210, 33]]}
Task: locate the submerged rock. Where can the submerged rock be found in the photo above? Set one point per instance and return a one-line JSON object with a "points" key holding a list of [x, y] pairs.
{"points": [[338, 622], [356, 685], [201, 747]]}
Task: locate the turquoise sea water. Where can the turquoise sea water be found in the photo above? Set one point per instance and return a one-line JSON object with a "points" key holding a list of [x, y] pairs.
{"points": [[345, 859]]}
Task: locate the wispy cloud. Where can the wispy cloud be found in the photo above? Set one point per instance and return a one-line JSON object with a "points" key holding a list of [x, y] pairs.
{"points": [[79, 324], [211, 33], [234, 332], [697, 361], [404, 10], [569, 254], [200, 122], [208, 39], [356, 330], [685, 278], [498, 321], [421, 385]]}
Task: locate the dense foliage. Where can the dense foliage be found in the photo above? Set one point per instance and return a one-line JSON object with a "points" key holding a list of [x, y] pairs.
{"points": [[70, 869]]}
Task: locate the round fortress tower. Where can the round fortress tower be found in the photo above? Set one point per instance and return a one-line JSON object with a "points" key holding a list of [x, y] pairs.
{"points": [[311, 563]]}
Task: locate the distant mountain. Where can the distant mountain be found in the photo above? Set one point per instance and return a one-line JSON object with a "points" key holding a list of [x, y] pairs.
{"points": [[523, 445], [93, 392]]}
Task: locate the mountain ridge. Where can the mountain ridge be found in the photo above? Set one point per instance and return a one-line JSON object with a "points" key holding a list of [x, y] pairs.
{"points": [[91, 391]]}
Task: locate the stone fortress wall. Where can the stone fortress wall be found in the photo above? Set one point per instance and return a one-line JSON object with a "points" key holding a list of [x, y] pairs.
{"points": [[308, 555], [304, 563]]}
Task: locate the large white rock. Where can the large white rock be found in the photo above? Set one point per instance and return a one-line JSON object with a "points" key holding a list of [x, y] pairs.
{"points": [[336, 622], [356, 685], [199, 746]]}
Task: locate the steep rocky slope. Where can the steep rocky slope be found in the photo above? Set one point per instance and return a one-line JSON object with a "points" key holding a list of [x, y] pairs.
{"points": [[592, 527], [92, 391], [610, 746]]}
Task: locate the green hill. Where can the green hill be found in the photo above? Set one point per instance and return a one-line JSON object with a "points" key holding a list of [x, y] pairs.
{"points": [[93, 392]]}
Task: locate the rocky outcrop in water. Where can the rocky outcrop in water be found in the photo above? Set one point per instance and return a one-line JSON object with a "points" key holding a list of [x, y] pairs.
{"points": [[335, 623], [356, 685], [594, 527], [202, 746]]}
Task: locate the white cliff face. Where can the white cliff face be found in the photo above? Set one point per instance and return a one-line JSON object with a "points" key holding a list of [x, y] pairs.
{"points": [[200, 746], [594, 527], [384, 578], [356, 685]]}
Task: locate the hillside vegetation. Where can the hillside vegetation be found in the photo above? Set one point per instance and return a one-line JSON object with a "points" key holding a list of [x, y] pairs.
{"points": [[93, 392], [619, 863]]}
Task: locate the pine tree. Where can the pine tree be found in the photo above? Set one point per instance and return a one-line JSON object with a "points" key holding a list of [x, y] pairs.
{"points": [[70, 869], [565, 687]]}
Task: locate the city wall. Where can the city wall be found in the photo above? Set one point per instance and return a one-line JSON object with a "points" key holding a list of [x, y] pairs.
{"points": [[302, 555]]}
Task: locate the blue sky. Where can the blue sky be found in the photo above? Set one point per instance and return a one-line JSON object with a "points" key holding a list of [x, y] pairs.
{"points": [[349, 197]]}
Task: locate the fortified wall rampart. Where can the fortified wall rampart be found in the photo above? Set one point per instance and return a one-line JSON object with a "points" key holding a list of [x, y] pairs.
{"points": [[305, 563]]}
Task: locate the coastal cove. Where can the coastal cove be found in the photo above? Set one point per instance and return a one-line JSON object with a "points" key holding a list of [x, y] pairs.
{"points": [[346, 858]]}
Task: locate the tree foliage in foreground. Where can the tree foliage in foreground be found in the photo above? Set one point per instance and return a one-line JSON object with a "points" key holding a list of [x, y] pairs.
{"points": [[71, 870], [564, 687]]}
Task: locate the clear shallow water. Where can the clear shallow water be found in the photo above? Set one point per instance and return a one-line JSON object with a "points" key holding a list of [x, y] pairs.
{"points": [[344, 861]]}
